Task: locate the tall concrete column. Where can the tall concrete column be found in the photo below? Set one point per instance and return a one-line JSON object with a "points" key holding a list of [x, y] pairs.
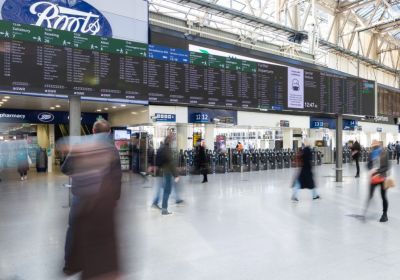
{"points": [[339, 148], [74, 116], [209, 136], [182, 136], [50, 156], [288, 138]]}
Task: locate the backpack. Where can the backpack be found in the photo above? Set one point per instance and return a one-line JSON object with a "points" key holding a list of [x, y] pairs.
{"points": [[160, 157]]}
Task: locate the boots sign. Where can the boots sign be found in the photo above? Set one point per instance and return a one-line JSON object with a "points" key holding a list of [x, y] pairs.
{"points": [[69, 15]]}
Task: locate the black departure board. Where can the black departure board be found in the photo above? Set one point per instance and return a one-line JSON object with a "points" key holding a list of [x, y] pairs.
{"points": [[198, 78], [272, 84], [54, 62], [389, 101]]}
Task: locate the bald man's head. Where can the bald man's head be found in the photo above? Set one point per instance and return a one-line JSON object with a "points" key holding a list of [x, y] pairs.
{"points": [[101, 126]]}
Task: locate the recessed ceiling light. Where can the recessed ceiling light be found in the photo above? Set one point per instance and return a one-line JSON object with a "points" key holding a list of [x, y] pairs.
{"points": [[7, 97], [114, 107], [134, 113], [58, 106], [144, 111], [106, 109], [98, 110], [123, 105], [4, 100], [52, 108]]}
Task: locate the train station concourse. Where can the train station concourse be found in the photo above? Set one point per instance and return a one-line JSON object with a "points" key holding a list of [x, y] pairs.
{"points": [[196, 139]]}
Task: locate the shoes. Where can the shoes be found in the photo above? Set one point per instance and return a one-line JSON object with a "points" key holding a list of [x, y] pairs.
{"points": [[295, 199], [165, 212], [22, 178], [357, 176], [204, 182], [317, 197], [384, 218], [69, 271], [155, 206], [179, 201]]}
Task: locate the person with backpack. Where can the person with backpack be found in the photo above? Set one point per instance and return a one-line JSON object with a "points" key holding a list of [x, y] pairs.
{"points": [[378, 164]]}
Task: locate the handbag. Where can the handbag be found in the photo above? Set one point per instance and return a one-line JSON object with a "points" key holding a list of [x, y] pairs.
{"points": [[377, 179], [29, 160], [389, 183]]}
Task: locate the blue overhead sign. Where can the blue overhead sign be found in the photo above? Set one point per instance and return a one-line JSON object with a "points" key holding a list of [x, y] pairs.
{"points": [[331, 123], [178, 55], [159, 52], [159, 117], [69, 15], [204, 115]]}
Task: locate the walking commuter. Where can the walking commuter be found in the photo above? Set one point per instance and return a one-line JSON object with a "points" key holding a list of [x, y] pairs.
{"points": [[378, 164], [397, 148], [202, 161], [165, 161], [23, 160], [95, 168], [305, 178], [355, 153]]}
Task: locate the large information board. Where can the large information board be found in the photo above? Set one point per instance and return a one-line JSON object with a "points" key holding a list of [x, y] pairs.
{"points": [[388, 101], [54, 62]]}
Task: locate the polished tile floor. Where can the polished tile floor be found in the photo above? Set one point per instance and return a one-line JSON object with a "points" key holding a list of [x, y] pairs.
{"points": [[236, 227]]}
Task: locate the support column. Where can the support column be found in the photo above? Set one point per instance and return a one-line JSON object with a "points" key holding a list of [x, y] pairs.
{"points": [[288, 138], [74, 116], [182, 136], [50, 154], [339, 148], [209, 136]]}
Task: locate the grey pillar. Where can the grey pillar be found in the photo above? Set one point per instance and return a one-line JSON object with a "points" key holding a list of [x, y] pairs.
{"points": [[339, 148], [74, 116]]}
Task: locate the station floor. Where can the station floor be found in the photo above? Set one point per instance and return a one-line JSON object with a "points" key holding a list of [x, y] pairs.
{"points": [[236, 227]]}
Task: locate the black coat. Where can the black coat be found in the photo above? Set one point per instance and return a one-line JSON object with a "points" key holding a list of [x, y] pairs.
{"points": [[356, 148], [306, 176], [95, 170]]}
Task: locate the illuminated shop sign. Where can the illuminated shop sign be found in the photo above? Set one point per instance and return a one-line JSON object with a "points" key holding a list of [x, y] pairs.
{"points": [[69, 15]]}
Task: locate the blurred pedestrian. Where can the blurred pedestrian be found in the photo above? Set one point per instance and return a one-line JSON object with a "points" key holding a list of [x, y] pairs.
{"points": [[397, 149], [378, 164], [23, 160], [165, 161], [95, 169], [305, 179], [355, 153]]}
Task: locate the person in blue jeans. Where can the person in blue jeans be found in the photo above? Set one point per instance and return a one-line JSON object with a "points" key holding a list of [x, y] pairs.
{"points": [[165, 161], [159, 193]]}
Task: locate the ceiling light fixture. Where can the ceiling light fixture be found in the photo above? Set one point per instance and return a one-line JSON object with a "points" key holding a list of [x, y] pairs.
{"points": [[98, 110], [58, 106], [52, 108], [106, 109], [4, 100], [123, 105], [134, 113], [7, 97], [114, 107]]}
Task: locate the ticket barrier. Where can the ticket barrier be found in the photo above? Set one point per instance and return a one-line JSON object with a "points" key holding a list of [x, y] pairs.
{"points": [[263, 160], [271, 159], [246, 161], [255, 161], [286, 159]]}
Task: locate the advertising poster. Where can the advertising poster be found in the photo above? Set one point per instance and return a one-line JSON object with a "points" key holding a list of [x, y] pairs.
{"points": [[295, 88]]}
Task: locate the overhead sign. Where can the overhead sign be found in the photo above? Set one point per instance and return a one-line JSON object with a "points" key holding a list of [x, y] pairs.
{"points": [[284, 123], [204, 115], [159, 117], [45, 117], [331, 123], [69, 15]]}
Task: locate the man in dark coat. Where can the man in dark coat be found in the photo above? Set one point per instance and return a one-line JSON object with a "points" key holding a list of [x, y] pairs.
{"points": [[95, 168], [355, 152], [202, 161], [305, 180], [397, 148]]}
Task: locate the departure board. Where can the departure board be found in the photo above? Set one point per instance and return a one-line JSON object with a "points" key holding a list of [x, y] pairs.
{"points": [[272, 86], [389, 101], [54, 62]]}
